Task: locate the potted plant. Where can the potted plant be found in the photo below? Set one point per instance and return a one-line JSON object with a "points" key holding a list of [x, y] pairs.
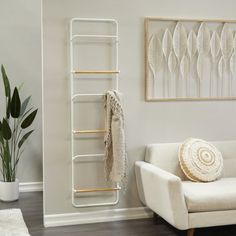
{"points": [[14, 131]]}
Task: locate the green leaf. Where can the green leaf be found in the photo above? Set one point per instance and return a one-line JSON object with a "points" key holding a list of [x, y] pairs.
{"points": [[8, 108], [15, 104], [6, 130], [1, 137], [7, 163], [24, 105], [24, 138], [6, 82], [29, 119]]}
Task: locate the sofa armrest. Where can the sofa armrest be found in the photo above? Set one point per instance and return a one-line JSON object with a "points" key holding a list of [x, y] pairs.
{"points": [[162, 192]]}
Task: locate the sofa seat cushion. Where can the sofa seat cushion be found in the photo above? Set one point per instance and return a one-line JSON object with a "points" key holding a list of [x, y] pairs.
{"points": [[212, 196]]}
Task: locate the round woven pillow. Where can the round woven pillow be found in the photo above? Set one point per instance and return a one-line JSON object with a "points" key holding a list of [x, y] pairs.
{"points": [[200, 160]]}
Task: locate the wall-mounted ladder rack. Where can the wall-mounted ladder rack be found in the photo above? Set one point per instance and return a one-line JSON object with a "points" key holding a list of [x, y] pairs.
{"points": [[114, 72]]}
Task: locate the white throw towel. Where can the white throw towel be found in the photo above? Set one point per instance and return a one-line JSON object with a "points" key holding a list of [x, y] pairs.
{"points": [[115, 147]]}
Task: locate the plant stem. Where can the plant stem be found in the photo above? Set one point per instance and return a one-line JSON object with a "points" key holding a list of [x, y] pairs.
{"points": [[14, 140], [8, 162], [3, 166]]}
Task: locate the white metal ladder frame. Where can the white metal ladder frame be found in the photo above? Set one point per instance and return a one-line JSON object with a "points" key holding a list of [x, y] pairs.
{"points": [[73, 96]]}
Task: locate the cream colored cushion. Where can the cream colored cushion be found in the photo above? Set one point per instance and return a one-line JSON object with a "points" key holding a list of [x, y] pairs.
{"points": [[200, 160], [219, 195]]}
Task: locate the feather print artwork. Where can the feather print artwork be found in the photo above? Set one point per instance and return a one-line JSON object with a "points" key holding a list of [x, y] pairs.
{"points": [[179, 41], [167, 48], [221, 71], [172, 62], [179, 47], [151, 55], [199, 72], [226, 41], [215, 45], [192, 50], [233, 63], [190, 59], [192, 44], [159, 53], [227, 46], [203, 46], [199, 65], [215, 50], [184, 70], [167, 43], [221, 67], [155, 57], [184, 67], [234, 42], [203, 39]]}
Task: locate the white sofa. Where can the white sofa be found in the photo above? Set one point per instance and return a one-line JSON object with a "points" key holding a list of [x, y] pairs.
{"points": [[186, 205]]}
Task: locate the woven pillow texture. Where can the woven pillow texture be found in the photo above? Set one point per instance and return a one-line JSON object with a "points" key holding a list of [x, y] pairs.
{"points": [[200, 161]]}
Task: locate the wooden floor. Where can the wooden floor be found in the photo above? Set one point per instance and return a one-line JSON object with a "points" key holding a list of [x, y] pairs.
{"points": [[31, 205]]}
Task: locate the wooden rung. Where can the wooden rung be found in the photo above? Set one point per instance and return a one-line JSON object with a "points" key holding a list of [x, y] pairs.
{"points": [[89, 131], [96, 72], [96, 190]]}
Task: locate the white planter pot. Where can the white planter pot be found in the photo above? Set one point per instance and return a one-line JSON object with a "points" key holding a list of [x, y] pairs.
{"points": [[9, 191]]}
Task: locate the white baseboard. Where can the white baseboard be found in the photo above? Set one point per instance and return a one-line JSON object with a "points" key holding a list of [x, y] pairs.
{"points": [[97, 216], [31, 187]]}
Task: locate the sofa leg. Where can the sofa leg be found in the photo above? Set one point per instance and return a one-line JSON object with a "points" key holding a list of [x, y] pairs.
{"points": [[155, 216], [190, 232]]}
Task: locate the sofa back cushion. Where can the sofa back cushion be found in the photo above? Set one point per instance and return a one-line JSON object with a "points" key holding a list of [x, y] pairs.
{"points": [[165, 156]]}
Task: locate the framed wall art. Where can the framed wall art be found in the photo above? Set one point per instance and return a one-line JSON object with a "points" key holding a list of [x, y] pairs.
{"points": [[190, 59]]}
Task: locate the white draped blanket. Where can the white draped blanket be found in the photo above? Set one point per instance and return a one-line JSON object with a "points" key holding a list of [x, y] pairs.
{"points": [[12, 223], [115, 151]]}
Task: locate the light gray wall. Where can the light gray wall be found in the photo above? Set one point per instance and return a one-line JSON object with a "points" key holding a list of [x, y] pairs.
{"points": [[20, 52], [145, 122]]}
